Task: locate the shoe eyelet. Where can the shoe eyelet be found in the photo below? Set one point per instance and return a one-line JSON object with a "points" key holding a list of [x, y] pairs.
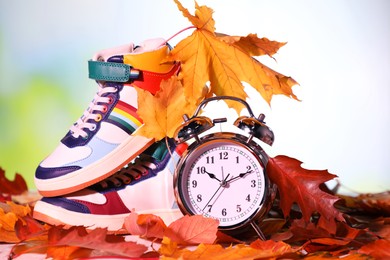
{"points": [[85, 137], [92, 128], [104, 110], [98, 118], [110, 100], [137, 177]]}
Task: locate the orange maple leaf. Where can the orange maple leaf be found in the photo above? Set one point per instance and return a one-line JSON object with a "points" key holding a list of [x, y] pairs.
{"points": [[10, 213], [300, 185], [163, 112], [225, 62]]}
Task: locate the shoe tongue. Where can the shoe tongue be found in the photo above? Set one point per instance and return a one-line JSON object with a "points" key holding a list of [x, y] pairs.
{"points": [[149, 45]]}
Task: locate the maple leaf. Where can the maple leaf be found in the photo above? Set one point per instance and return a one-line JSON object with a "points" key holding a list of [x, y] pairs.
{"points": [[193, 230], [253, 45], [27, 227], [10, 213], [225, 62], [7, 187], [145, 225], [296, 184], [163, 112]]}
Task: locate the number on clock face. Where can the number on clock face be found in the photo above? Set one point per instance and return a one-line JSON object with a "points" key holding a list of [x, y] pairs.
{"points": [[223, 180]]}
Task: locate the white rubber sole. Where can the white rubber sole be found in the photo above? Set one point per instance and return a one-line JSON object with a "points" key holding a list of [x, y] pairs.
{"points": [[54, 215], [95, 172]]}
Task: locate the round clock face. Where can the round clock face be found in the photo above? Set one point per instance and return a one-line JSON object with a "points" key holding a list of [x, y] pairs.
{"points": [[222, 179]]}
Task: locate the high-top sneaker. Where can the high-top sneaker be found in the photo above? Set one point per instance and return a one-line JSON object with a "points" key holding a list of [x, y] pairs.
{"points": [[101, 142], [144, 186]]}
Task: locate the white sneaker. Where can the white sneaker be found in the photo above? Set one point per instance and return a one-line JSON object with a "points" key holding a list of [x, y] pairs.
{"points": [[101, 141]]}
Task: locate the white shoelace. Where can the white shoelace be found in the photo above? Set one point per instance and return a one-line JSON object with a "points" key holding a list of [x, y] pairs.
{"points": [[90, 113], [140, 167]]}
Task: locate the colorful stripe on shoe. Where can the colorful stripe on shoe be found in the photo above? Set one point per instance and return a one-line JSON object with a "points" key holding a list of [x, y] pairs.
{"points": [[125, 117]]}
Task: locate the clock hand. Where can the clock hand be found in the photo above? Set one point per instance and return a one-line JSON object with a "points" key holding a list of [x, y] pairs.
{"points": [[241, 175], [222, 184], [212, 175]]}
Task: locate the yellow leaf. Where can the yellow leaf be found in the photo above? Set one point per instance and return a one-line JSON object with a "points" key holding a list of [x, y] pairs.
{"points": [[225, 62], [168, 248], [203, 16], [253, 45], [163, 112], [10, 213]]}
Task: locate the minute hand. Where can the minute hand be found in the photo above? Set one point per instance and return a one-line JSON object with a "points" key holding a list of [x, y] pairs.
{"points": [[241, 175]]}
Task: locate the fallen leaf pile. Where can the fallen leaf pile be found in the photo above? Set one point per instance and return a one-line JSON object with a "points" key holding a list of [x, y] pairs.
{"points": [[356, 227]]}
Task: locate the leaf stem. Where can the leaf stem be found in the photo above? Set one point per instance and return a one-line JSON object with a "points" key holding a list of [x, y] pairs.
{"points": [[185, 29]]}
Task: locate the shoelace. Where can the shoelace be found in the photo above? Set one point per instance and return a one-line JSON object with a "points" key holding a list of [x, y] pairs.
{"points": [[140, 167], [96, 105]]}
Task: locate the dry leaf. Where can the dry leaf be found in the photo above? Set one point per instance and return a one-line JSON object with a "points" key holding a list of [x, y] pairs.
{"points": [[225, 62], [8, 188], [239, 252], [145, 225], [379, 249], [296, 184], [275, 247], [253, 45], [193, 230], [169, 248], [97, 240], [10, 213], [163, 112], [27, 228]]}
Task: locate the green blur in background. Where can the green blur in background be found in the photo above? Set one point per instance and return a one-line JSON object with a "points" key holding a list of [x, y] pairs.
{"points": [[44, 85]]}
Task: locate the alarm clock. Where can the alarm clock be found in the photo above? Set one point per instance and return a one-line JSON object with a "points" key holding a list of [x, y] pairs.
{"points": [[222, 175]]}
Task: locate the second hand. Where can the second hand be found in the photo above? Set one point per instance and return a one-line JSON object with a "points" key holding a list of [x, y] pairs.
{"points": [[222, 184]]}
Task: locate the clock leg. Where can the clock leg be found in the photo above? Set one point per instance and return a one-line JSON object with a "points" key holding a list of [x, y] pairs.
{"points": [[258, 231]]}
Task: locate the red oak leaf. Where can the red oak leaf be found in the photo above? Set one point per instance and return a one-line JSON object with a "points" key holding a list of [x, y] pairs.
{"points": [[300, 185]]}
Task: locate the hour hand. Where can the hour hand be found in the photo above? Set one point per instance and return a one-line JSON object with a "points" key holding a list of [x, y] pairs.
{"points": [[212, 175]]}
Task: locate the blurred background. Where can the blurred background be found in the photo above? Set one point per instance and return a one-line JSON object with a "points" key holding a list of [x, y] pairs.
{"points": [[338, 50]]}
